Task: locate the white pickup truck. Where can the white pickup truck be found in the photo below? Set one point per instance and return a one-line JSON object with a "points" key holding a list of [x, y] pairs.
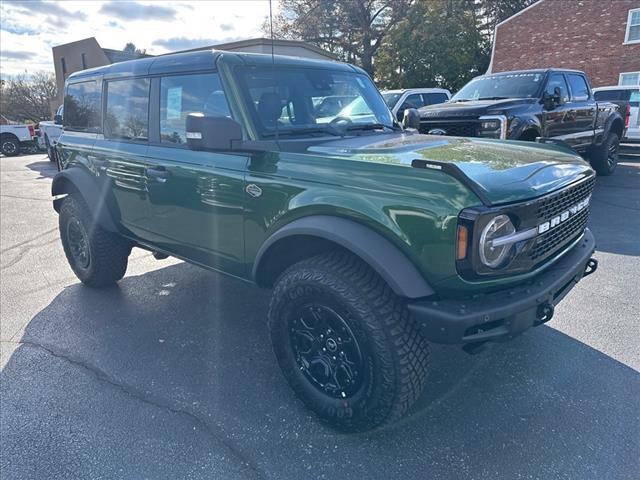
{"points": [[50, 131], [14, 137]]}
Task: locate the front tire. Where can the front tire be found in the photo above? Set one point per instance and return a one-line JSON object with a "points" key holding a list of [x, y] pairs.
{"points": [[604, 158], [346, 343], [97, 257]]}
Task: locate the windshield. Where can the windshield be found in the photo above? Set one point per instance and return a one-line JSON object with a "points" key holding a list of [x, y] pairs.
{"points": [[494, 87], [306, 100], [391, 98]]}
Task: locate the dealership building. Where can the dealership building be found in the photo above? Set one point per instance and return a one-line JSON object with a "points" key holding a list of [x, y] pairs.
{"points": [[599, 37]]}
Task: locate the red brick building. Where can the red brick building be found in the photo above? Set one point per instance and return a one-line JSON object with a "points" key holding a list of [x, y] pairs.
{"points": [[600, 37]]}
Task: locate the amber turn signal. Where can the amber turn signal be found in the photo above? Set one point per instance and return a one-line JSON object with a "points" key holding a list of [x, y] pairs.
{"points": [[461, 244]]}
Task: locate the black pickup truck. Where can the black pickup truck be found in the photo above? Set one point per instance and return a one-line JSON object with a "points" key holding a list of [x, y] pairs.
{"points": [[550, 105]]}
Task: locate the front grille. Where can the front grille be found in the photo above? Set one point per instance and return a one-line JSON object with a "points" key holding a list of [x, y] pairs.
{"points": [[549, 207], [454, 129]]}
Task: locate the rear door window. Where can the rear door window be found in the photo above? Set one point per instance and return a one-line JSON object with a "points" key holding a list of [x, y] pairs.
{"points": [[82, 106], [127, 113], [184, 94], [579, 88]]}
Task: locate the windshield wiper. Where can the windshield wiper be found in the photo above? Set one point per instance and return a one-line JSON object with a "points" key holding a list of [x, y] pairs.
{"points": [[493, 98], [301, 131], [373, 126]]}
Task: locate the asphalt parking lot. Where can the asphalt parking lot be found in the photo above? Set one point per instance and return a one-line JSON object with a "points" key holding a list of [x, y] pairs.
{"points": [[171, 375]]}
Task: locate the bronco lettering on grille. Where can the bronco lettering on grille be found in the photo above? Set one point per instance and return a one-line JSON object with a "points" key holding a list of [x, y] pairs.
{"points": [[564, 216]]}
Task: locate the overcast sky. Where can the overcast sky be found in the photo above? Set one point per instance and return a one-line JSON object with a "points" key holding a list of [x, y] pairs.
{"points": [[29, 28]]}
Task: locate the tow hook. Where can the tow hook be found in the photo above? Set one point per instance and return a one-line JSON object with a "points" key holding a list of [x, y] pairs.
{"points": [[544, 314], [590, 267]]}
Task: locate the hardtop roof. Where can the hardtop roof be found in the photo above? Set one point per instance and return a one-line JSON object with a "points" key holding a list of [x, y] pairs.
{"points": [[202, 60]]}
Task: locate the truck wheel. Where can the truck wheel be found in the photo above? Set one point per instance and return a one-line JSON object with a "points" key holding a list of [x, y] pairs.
{"points": [[49, 148], [604, 158], [346, 343], [96, 256], [10, 146]]}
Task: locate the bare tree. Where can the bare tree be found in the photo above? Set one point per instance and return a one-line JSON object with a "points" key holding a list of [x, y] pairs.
{"points": [[27, 98]]}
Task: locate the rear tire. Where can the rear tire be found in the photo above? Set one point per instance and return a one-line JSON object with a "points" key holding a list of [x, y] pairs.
{"points": [[346, 343], [604, 158], [97, 257], [9, 146]]}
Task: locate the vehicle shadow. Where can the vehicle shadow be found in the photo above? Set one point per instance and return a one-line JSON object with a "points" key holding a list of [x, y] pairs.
{"points": [[541, 406], [45, 168], [615, 210]]}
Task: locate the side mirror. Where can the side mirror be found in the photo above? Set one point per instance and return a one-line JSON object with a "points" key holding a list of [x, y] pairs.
{"points": [[411, 119], [548, 101], [57, 120], [211, 133], [557, 96]]}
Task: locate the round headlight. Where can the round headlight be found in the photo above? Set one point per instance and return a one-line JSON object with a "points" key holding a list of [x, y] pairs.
{"points": [[490, 255]]}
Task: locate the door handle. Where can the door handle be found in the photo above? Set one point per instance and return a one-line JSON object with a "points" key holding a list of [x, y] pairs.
{"points": [[159, 174]]}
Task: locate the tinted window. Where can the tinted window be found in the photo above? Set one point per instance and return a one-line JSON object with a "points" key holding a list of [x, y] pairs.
{"points": [[557, 80], [82, 106], [634, 99], [185, 94], [127, 115], [607, 95], [578, 85], [413, 101], [434, 98]]}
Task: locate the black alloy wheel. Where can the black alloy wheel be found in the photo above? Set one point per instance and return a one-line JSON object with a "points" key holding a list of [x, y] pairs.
{"points": [[326, 350]]}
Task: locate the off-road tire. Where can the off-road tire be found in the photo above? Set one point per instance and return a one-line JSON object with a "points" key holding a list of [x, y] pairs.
{"points": [[396, 354], [602, 157], [108, 252], [9, 146]]}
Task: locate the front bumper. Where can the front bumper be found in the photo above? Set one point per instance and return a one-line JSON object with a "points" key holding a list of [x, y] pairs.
{"points": [[504, 314]]}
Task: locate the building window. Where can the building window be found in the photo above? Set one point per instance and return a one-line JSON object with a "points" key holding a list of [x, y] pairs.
{"points": [[127, 114], [629, 78], [84, 61], [633, 27], [64, 67]]}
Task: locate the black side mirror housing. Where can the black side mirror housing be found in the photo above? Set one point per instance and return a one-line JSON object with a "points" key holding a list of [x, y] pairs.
{"points": [[57, 120], [411, 119], [557, 96], [212, 133]]}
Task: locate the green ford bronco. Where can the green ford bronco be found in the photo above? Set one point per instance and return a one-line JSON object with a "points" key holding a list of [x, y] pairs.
{"points": [[293, 174]]}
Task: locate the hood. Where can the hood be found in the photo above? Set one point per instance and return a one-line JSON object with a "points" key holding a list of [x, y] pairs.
{"points": [[502, 171], [471, 109]]}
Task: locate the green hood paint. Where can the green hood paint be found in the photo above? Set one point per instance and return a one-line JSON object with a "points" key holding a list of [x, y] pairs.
{"points": [[505, 171]]}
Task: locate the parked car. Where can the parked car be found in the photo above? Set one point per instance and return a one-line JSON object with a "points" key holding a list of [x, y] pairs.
{"points": [[50, 131], [16, 137], [628, 100], [399, 100], [374, 240], [553, 104]]}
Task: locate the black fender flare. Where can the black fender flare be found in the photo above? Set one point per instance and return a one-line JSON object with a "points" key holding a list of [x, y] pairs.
{"points": [[615, 116], [78, 180], [525, 123], [378, 252]]}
